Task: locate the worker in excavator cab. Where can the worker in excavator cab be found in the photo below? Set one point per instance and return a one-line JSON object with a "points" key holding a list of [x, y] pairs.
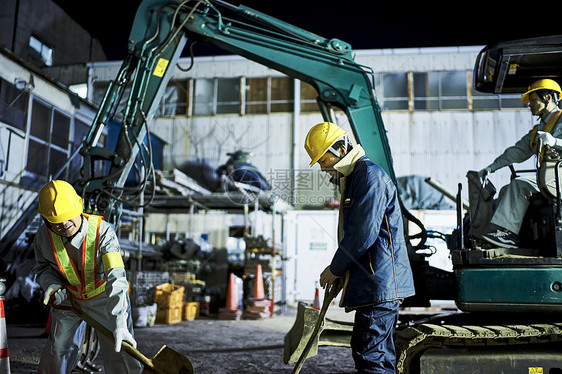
{"points": [[78, 256], [543, 97], [371, 261]]}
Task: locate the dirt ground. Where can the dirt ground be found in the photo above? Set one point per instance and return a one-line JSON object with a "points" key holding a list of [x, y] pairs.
{"points": [[213, 346]]}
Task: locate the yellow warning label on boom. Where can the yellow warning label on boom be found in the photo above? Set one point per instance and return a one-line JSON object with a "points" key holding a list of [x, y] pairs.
{"points": [[533, 370], [160, 68]]}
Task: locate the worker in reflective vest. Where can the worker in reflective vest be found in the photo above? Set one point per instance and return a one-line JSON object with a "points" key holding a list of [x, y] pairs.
{"points": [[78, 256]]}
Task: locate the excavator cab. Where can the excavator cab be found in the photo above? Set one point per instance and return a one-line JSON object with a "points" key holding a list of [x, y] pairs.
{"points": [[511, 67], [523, 279]]}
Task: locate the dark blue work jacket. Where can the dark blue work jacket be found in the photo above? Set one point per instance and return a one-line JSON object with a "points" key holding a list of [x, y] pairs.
{"points": [[373, 249]]}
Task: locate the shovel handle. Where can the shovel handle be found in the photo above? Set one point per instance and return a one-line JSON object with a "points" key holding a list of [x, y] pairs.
{"points": [[125, 345], [328, 297]]}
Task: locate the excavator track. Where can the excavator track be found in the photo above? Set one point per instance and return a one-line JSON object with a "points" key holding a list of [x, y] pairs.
{"points": [[411, 342]]}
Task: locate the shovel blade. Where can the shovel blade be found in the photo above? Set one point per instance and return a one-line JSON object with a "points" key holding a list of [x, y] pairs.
{"points": [[168, 361]]}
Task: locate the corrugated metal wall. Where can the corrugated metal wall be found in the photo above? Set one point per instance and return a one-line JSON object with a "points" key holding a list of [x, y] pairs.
{"points": [[440, 144], [445, 145]]}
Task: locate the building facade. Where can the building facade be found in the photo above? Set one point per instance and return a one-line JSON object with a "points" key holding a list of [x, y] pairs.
{"points": [[41, 33], [438, 126]]}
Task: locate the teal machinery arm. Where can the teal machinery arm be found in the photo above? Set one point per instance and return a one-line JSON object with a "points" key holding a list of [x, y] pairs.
{"points": [[159, 33]]}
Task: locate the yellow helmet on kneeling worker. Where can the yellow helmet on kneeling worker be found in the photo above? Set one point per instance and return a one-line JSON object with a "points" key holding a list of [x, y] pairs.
{"points": [[59, 202]]}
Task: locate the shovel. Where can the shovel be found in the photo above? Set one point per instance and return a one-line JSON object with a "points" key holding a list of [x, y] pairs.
{"points": [[328, 297], [166, 361]]}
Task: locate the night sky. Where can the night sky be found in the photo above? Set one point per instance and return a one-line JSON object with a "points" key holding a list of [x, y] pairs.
{"points": [[365, 24]]}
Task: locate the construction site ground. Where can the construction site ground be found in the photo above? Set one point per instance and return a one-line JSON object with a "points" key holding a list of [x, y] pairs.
{"points": [[214, 346]]}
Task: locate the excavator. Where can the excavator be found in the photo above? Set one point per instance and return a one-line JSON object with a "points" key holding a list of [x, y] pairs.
{"points": [[508, 300]]}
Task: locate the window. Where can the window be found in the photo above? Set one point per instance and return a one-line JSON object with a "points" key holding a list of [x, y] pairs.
{"points": [[484, 101], [392, 90], [37, 156], [269, 95], [61, 129], [436, 90], [440, 90], [204, 97], [261, 95], [454, 91], [40, 121], [488, 101], [256, 95], [13, 105], [48, 142], [174, 101], [282, 91], [308, 98], [425, 91], [216, 96], [228, 95], [41, 51]]}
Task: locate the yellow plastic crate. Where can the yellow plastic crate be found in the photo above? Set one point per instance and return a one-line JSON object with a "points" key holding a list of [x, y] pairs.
{"points": [[190, 310], [169, 315], [168, 295]]}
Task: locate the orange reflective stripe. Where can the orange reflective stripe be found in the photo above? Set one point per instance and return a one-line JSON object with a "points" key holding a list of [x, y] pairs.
{"points": [[548, 128], [66, 266], [83, 284]]}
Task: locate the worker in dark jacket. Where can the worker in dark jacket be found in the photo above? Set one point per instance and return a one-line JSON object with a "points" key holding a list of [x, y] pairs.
{"points": [[371, 259]]}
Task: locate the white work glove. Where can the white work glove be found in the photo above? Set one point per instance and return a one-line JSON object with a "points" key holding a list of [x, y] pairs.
{"points": [[58, 291], [546, 138], [121, 334], [484, 173]]}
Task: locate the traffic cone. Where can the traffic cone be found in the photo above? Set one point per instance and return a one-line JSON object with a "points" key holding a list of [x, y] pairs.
{"points": [[316, 302], [231, 295], [230, 310], [4, 357], [259, 293]]}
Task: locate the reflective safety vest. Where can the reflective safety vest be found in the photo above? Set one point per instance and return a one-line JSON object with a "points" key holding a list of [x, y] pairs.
{"points": [[548, 128], [84, 284]]}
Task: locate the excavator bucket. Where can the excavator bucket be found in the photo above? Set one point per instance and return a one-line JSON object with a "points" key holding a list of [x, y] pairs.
{"points": [[168, 361], [331, 333]]}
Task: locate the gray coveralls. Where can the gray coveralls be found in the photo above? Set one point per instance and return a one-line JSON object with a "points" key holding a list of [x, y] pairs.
{"points": [[111, 308], [515, 196]]}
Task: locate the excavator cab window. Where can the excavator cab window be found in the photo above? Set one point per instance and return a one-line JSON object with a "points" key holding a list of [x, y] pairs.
{"points": [[511, 67]]}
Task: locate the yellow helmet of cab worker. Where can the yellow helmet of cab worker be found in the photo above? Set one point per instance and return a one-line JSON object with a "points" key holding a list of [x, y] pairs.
{"points": [[320, 138], [59, 202], [541, 84]]}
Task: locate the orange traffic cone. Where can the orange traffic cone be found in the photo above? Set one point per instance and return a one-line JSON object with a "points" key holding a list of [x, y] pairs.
{"points": [[230, 310], [232, 295], [316, 302], [4, 357], [259, 293]]}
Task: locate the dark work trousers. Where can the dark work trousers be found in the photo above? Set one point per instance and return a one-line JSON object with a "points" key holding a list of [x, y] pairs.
{"points": [[372, 342]]}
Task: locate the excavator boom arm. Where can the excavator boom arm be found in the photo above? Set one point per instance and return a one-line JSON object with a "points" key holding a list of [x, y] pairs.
{"points": [[159, 33]]}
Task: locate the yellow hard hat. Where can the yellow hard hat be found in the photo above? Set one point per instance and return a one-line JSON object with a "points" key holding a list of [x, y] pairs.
{"points": [[541, 84], [59, 202], [320, 138]]}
